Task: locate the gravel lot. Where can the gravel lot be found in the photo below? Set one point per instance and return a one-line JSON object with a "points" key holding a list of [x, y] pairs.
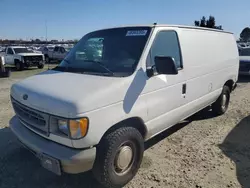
{"points": [[204, 151]]}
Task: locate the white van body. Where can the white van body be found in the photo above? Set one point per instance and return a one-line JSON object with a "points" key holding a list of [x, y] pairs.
{"points": [[208, 60]]}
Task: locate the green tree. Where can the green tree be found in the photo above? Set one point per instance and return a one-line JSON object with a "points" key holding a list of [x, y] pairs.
{"points": [[210, 23], [245, 34]]}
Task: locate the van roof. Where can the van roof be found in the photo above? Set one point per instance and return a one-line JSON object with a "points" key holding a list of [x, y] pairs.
{"points": [[177, 26]]}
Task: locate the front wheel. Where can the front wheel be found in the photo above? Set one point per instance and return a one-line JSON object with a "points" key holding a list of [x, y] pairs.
{"points": [[119, 157], [221, 104], [19, 65]]}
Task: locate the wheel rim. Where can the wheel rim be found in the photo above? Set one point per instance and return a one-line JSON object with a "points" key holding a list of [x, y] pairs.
{"points": [[17, 66], [224, 101], [124, 158]]}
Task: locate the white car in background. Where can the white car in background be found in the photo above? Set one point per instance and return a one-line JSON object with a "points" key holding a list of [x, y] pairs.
{"points": [[21, 57], [57, 54], [244, 61]]}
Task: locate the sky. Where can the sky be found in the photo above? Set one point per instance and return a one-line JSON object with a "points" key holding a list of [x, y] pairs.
{"points": [[71, 19]]}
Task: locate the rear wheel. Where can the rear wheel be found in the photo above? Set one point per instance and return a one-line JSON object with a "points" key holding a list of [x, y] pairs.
{"points": [[47, 59], [221, 104], [40, 66], [19, 66], [119, 157]]}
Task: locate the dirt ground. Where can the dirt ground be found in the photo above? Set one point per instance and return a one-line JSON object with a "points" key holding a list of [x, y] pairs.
{"points": [[203, 152]]}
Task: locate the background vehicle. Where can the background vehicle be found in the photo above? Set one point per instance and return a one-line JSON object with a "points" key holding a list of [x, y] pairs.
{"points": [[4, 72], [45, 49], [21, 57], [147, 78], [244, 61], [57, 54], [243, 45]]}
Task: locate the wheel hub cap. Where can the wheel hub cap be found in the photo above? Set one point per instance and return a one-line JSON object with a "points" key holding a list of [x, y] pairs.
{"points": [[124, 157], [224, 101]]}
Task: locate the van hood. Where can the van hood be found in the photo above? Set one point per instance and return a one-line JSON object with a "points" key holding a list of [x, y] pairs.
{"points": [[29, 54], [69, 94]]}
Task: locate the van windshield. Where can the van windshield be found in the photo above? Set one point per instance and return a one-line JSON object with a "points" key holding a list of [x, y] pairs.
{"points": [[111, 52]]}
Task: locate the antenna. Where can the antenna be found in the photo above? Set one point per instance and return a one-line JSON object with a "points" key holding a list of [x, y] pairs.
{"points": [[46, 30], [46, 36]]}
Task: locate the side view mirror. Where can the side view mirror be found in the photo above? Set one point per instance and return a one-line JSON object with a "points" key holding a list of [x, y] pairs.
{"points": [[165, 65]]}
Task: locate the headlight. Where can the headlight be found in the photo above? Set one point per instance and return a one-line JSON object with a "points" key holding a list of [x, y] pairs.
{"points": [[63, 126], [22, 59], [74, 128]]}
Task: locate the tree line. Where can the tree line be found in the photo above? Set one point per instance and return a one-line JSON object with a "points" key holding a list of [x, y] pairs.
{"points": [[211, 23]]}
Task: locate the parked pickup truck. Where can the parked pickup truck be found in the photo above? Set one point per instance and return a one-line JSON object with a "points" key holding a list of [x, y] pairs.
{"points": [[21, 57], [57, 54]]}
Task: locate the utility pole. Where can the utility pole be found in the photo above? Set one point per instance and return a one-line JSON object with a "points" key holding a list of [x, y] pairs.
{"points": [[46, 30]]}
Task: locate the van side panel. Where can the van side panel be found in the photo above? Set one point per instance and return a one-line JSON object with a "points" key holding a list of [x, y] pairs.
{"points": [[210, 60]]}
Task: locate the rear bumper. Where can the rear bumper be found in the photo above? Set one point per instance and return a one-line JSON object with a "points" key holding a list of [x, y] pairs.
{"points": [[72, 160]]}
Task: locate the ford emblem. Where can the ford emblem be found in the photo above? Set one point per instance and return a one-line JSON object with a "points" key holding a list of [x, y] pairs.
{"points": [[25, 97]]}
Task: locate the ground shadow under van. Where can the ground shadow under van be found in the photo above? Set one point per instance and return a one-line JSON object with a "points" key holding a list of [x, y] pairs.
{"points": [[206, 113], [236, 146], [20, 168]]}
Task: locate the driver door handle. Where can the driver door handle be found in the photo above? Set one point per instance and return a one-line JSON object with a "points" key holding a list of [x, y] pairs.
{"points": [[184, 90]]}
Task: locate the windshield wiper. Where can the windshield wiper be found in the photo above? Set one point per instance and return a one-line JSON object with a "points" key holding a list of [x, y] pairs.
{"points": [[101, 65]]}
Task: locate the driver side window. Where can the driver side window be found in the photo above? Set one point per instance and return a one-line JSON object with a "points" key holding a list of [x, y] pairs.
{"points": [[62, 50], [166, 44], [56, 49], [10, 51]]}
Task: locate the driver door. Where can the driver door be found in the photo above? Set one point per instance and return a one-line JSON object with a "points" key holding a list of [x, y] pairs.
{"points": [[165, 93], [62, 53], [56, 53], [9, 57]]}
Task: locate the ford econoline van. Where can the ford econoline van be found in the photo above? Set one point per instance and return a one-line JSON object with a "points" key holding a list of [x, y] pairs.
{"points": [[116, 89]]}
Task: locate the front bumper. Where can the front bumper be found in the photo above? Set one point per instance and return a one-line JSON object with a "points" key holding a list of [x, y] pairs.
{"points": [[72, 160]]}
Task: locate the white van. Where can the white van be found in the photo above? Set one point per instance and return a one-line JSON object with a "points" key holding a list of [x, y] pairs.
{"points": [[96, 110]]}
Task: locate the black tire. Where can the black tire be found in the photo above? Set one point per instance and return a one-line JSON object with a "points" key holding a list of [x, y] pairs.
{"points": [[105, 170], [47, 59], [7, 73], [221, 104], [19, 65], [40, 66]]}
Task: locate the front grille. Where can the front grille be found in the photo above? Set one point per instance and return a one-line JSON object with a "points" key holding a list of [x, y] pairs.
{"points": [[32, 118], [33, 58]]}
